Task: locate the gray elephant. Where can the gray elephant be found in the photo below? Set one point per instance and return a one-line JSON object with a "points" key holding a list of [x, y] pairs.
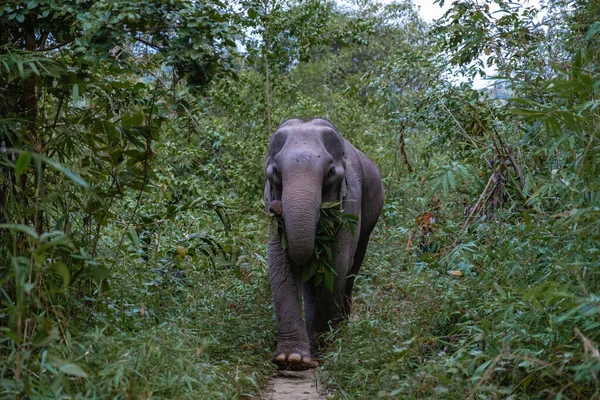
{"points": [[310, 163]]}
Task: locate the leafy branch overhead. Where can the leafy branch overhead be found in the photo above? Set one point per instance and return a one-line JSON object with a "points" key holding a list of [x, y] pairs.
{"points": [[332, 220], [196, 40]]}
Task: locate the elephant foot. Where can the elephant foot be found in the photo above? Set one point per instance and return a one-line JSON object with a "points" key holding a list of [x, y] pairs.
{"points": [[295, 361]]}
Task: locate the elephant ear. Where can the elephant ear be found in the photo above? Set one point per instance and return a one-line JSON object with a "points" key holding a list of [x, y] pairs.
{"points": [[343, 192], [268, 195], [271, 193]]}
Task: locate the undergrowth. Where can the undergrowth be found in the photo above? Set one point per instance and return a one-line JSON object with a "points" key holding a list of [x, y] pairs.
{"points": [[520, 322], [185, 335]]}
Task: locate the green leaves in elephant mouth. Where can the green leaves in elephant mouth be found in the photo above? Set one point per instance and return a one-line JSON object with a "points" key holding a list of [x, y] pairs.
{"points": [[331, 220]]}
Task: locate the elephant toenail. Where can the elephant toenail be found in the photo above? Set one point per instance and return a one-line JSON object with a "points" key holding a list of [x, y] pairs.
{"points": [[307, 361], [280, 358], [294, 358]]}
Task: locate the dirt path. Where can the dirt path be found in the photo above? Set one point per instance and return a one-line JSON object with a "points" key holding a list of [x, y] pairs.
{"points": [[293, 386]]}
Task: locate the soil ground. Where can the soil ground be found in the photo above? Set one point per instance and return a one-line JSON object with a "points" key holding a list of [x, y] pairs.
{"points": [[291, 385]]}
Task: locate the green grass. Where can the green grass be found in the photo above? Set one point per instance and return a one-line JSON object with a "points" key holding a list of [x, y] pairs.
{"points": [[504, 329], [520, 322], [208, 335]]}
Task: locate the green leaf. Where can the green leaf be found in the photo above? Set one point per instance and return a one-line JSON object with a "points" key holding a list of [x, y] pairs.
{"points": [[445, 181], [100, 272], [20, 68], [283, 236], [34, 68], [63, 271], [61, 240], [67, 367], [328, 280], [75, 93], [528, 112], [66, 171], [525, 382], [21, 228], [22, 162], [309, 270], [500, 290], [435, 188], [451, 180], [74, 370], [329, 253], [492, 350], [134, 237], [318, 279], [351, 222], [479, 371], [46, 334], [330, 204], [50, 235]]}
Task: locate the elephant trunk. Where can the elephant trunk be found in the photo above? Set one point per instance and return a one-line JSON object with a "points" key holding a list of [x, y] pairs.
{"points": [[301, 207]]}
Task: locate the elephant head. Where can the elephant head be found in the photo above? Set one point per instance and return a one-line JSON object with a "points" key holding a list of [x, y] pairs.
{"points": [[305, 167]]}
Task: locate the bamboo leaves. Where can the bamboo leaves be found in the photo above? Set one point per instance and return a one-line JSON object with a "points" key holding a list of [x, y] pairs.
{"points": [[446, 178], [22, 163], [322, 264], [26, 156]]}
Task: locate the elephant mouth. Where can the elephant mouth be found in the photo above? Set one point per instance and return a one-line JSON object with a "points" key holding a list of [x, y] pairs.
{"points": [[319, 262], [300, 248]]}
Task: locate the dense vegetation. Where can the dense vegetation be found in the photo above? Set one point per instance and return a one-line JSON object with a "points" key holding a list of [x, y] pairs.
{"points": [[132, 230]]}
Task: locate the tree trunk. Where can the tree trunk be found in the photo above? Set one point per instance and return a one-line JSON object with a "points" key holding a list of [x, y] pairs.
{"points": [[403, 151]]}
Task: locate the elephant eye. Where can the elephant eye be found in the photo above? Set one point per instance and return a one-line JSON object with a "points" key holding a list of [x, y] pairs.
{"points": [[331, 172]]}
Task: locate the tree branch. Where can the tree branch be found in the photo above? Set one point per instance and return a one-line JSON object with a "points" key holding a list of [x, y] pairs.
{"points": [[56, 46], [403, 150], [147, 43]]}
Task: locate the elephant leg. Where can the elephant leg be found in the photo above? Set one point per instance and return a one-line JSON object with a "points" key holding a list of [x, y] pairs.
{"points": [[310, 309], [293, 348], [323, 310], [359, 256]]}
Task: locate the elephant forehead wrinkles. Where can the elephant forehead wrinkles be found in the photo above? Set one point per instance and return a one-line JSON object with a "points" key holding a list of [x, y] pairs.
{"points": [[314, 121], [306, 132], [303, 135], [303, 168], [298, 148]]}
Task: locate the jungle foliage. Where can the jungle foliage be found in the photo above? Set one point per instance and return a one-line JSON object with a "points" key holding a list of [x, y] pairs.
{"points": [[132, 229]]}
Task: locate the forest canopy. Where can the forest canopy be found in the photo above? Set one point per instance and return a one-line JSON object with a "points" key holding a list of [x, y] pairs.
{"points": [[132, 225]]}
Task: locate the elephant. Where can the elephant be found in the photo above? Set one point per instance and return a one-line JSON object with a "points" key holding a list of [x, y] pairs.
{"points": [[309, 163]]}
